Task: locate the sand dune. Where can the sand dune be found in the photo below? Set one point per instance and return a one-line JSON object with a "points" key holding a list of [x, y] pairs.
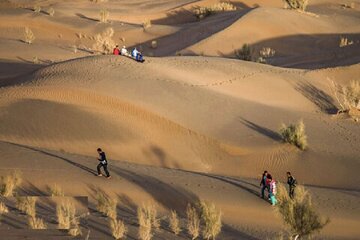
{"points": [[179, 129]]}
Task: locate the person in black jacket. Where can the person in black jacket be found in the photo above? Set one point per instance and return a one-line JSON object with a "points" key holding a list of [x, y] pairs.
{"points": [[102, 163], [292, 184], [263, 184]]}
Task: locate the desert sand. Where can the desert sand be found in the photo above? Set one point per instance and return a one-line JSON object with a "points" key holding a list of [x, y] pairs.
{"points": [[191, 123]]}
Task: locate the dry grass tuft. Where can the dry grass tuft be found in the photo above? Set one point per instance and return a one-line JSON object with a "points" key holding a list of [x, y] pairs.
{"points": [[103, 42], [98, 1], [154, 44], [202, 12], [212, 220], [118, 228], [294, 134], [344, 41], [146, 24], [51, 12], [298, 213], [56, 191], [36, 223], [37, 9], [174, 223], [26, 205], [352, 95], [65, 212], [104, 16], [9, 184], [106, 205], [147, 219], [296, 4], [29, 36], [3, 208], [244, 53], [193, 222]]}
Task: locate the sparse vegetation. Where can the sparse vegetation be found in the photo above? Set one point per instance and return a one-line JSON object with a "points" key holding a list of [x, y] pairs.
{"points": [[174, 223], [98, 1], [351, 5], [202, 12], [352, 95], [36, 223], [298, 213], [9, 184], [118, 228], [146, 217], [37, 9], [104, 42], [51, 11], [344, 41], [65, 212], [26, 205], [297, 4], [212, 220], [244, 53], [3, 208], [154, 44], [146, 24], [193, 222], [294, 134], [106, 205], [104, 15], [29, 36], [56, 191], [36, 60]]}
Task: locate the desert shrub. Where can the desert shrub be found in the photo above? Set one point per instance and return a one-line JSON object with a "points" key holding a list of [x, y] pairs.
{"points": [[51, 11], [75, 229], [37, 9], [106, 205], [193, 221], [104, 42], [118, 228], [26, 205], [352, 95], [212, 220], [344, 41], [294, 134], [29, 36], [298, 213], [3, 208], [146, 24], [104, 15], [36, 223], [146, 218], [36, 60], [65, 212], [267, 52], [244, 53], [56, 191], [154, 44], [9, 184], [297, 4], [174, 223], [202, 12]]}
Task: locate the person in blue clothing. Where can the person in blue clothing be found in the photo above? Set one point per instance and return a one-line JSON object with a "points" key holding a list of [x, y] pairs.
{"points": [[137, 55], [103, 163], [263, 184]]}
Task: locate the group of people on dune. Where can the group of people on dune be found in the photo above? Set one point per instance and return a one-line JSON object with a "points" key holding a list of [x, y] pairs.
{"points": [[134, 53], [268, 183]]}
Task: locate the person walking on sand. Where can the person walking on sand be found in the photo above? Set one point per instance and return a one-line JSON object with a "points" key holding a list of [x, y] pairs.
{"points": [[292, 184], [272, 192], [263, 184], [102, 163], [124, 51], [116, 50]]}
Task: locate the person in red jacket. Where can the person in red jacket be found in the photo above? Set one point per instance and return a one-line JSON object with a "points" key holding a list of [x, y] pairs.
{"points": [[116, 50]]}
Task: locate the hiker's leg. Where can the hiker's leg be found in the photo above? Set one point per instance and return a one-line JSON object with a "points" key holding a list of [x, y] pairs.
{"points": [[263, 191], [291, 193], [106, 170], [98, 168]]}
